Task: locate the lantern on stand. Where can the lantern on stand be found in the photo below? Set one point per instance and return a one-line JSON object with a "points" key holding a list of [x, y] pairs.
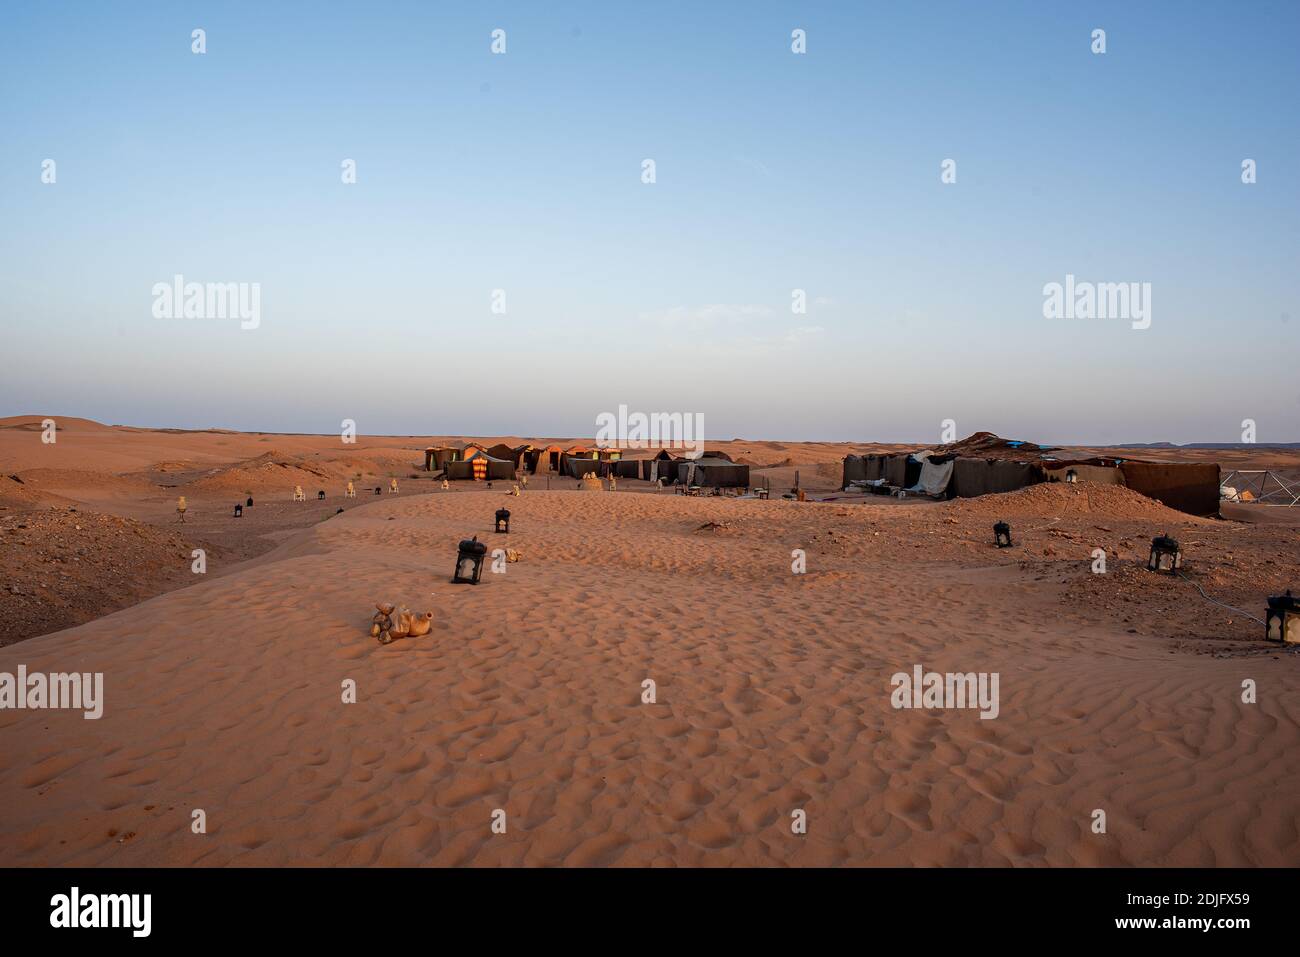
{"points": [[503, 521], [239, 511], [1002, 535], [1165, 556], [1282, 621], [469, 562]]}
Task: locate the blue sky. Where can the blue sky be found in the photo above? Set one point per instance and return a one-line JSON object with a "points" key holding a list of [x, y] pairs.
{"points": [[775, 172]]}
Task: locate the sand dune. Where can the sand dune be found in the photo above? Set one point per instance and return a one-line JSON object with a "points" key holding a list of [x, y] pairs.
{"points": [[773, 694]]}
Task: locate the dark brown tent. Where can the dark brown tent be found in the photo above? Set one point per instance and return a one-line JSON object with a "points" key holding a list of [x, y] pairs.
{"points": [[855, 470], [1097, 471], [575, 467], [437, 457], [720, 473], [659, 466], [1189, 487], [712, 472], [579, 453], [901, 471], [863, 468], [503, 452], [545, 459], [496, 468], [971, 477]]}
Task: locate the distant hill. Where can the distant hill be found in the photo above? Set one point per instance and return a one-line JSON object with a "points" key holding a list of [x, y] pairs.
{"points": [[1202, 445]]}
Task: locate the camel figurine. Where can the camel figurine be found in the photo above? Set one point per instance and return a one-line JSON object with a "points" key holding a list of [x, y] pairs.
{"points": [[352, 491], [389, 623], [297, 494], [392, 486]]}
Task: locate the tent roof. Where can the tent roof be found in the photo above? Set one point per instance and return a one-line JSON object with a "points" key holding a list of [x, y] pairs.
{"points": [[478, 453], [986, 445]]}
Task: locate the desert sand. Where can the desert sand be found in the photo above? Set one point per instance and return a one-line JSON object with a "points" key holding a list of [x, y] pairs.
{"points": [[224, 691]]}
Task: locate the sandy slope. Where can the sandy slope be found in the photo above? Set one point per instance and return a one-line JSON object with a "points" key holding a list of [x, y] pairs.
{"points": [[772, 695]]}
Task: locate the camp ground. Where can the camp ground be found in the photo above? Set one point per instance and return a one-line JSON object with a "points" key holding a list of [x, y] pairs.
{"points": [[979, 465]]}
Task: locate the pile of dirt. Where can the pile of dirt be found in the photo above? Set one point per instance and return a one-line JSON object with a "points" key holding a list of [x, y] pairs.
{"points": [[274, 471], [76, 481], [267, 471], [1052, 499], [60, 567], [19, 495]]}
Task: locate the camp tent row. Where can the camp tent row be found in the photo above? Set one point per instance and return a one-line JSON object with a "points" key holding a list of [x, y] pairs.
{"points": [[713, 469], [985, 464]]}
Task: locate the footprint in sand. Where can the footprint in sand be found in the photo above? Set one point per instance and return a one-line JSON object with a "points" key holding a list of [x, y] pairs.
{"points": [[600, 851], [712, 834], [465, 787], [988, 783], [912, 808]]}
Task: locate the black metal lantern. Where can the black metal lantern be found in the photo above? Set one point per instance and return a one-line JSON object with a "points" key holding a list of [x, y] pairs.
{"points": [[249, 503], [239, 511], [1002, 535], [1166, 556], [469, 562], [321, 495], [1282, 622], [503, 521], [377, 491]]}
